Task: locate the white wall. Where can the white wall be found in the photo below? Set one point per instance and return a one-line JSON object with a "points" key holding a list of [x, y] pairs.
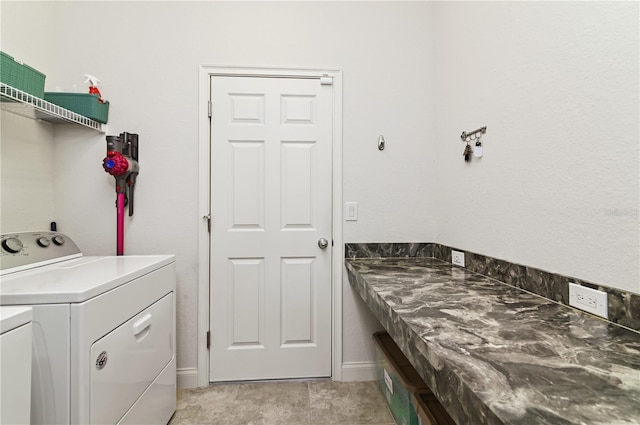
{"points": [[26, 150], [26, 168], [556, 84], [148, 54]]}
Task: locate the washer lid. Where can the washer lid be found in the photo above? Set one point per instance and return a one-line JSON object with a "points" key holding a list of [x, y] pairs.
{"points": [[13, 317], [76, 280]]}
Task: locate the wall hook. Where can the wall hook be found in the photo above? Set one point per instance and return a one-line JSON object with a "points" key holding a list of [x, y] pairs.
{"points": [[381, 143], [473, 135]]}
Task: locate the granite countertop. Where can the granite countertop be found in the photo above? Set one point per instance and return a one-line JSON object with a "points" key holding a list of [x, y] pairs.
{"points": [[495, 354]]}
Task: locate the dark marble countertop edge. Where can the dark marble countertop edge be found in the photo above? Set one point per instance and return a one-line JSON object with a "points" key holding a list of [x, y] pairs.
{"points": [[463, 402]]}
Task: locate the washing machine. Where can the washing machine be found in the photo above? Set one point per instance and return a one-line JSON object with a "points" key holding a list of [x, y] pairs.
{"points": [[15, 365], [103, 330]]}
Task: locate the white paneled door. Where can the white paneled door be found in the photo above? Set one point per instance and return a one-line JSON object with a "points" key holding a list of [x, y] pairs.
{"points": [[271, 206]]}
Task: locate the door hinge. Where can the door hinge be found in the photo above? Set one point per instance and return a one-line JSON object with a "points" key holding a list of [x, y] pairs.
{"points": [[326, 80], [210, 109], [208, 339], [208, 218]]}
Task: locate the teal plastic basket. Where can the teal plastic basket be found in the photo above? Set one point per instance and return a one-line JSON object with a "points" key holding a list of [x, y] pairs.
{"points": [[397, 379], [85, 104], [21, 76]]}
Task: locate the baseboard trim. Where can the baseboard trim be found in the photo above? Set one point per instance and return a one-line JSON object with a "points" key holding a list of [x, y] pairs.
{"points": [[187, 377], [359, 371]]}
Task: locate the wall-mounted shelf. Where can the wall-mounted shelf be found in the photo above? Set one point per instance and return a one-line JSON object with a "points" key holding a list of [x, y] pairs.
{"points": [[27, 105]]}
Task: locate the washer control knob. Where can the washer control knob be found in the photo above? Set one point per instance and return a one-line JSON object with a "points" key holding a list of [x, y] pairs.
{"points": [[101, 361], [58, 240], [43, 242], [12, 245]]}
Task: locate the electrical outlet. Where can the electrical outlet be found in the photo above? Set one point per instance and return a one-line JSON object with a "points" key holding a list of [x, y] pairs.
{"points": [[587, 299], [457, 258]]}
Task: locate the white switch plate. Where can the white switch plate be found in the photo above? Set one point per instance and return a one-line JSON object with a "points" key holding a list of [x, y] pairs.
{"points": [[457, 258], [352, 211], [587, 299]]}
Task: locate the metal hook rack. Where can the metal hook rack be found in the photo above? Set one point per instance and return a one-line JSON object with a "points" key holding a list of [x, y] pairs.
{"points": [[473, 135]]}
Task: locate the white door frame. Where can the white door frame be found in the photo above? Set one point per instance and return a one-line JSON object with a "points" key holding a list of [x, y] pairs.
{"points": [[204, 191]]}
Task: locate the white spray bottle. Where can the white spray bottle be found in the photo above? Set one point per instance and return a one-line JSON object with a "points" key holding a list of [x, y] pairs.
{"points": [[93, 85]]}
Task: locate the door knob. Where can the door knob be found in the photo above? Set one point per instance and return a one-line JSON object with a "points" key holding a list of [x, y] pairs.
{"points": [[323, 243]]}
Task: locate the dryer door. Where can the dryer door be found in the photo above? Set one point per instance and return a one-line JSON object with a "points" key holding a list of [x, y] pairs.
{"points": [[128, 359]]}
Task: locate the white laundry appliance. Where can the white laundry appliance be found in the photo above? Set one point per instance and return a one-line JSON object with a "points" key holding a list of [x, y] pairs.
{"points": [[103, 330], [15, 365]]}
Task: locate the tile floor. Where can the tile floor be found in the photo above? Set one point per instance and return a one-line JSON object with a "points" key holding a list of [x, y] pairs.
{"points": [[321, 402]]}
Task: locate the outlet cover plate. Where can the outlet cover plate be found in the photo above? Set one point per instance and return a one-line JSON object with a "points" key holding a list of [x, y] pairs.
{"points": [[587, 299], [457, 258]]}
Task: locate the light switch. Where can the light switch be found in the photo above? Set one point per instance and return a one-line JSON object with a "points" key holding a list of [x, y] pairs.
{"points": [[352, 211]]}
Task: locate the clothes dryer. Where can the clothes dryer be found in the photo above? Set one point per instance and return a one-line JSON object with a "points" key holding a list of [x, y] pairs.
{"points": [[103, 330]]}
